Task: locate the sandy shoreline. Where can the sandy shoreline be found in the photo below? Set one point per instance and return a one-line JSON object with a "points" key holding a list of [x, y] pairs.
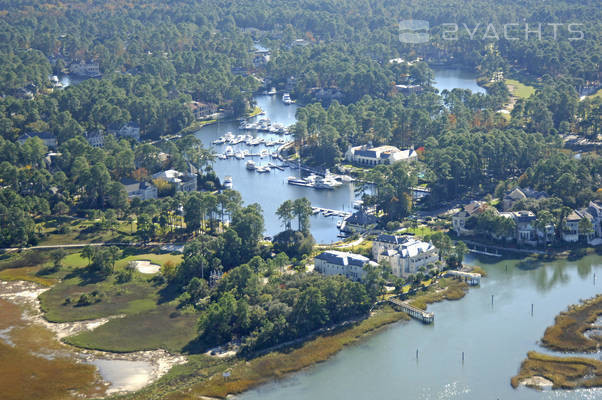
{"points": [[152, 365]]}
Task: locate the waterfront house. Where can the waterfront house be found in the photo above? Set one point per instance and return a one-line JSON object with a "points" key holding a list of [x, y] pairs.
{"points": [[459, 219], [340, 263], [202, 110], [48, 138], [571, 231], [363, 155], [141, 190], [405, 254], [525, 227], [183, 182]]}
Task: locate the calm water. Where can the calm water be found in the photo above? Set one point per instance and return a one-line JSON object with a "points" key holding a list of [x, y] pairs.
{"points": [[451, 78], [271, 189], [495, 340]]}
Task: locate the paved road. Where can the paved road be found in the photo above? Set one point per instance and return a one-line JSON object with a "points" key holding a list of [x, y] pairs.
{"points": [[78, 245]]}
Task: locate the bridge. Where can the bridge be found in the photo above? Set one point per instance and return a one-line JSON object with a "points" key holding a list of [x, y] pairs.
{"points": [[424, 316]]}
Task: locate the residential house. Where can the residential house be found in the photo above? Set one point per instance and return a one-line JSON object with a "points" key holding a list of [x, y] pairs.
{"points": [[525, 227], [358, 221], [405, 254], [572, 233], [141, 190], [261, 57], [379, 155], [340, 263], [459, 219], [409, 89], [518, 194], [48, 138], [131, 130], [96, 138], [202, 110], [89, 70], [183, 182]]}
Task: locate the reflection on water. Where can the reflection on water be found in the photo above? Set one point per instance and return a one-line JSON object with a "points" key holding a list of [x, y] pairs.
{"points": [[451, 78], [495, 339], [124, 375]]}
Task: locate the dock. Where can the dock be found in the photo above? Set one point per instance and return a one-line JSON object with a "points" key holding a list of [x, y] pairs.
{"points": [[472, 278], [421, 315]]}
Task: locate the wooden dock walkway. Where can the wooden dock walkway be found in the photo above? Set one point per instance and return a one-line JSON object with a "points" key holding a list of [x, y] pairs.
{"points": [[424, 316]]}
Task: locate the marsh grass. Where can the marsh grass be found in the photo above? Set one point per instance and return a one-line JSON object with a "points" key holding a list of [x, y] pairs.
{"points": [[567, 333], [564, 372]]}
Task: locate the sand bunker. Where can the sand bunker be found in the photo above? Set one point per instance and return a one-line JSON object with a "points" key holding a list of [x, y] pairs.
{"points": [[145, 267]]}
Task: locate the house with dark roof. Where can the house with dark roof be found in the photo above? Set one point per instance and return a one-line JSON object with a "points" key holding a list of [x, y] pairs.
{"points": [[459, 219], [141, 190], [340, 263], [48, 138]]}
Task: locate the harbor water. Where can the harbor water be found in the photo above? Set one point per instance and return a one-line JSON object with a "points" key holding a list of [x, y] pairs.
{"points": [[494, 338]]}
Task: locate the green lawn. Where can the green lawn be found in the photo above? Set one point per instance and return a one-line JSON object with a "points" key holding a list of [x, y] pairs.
{"points": [[161, 327], [519, 89]]}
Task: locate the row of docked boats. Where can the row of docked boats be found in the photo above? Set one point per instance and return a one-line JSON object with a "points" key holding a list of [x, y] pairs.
{"points": [[264, 125], [250, 140], [242, 154]]}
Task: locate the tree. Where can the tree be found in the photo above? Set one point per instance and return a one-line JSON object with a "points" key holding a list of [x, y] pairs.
{"points": [[57, 257], [286, 213], [302, 210], [145, 227], [88, 252], [193, 211]]}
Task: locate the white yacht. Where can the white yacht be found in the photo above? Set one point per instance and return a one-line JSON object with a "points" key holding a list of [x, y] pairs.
{"points": [[229, 151], [228, 182], [251, 165], [286, 98], [272, 91], [263, 169]]}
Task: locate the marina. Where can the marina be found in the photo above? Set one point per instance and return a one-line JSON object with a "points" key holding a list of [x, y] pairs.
{"points": [[270, 189]]}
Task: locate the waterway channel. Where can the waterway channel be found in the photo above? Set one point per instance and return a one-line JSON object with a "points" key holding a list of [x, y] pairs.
{"points": [[271, 189], [495, 339]]}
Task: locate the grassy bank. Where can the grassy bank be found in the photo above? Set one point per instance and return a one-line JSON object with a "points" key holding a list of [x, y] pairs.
{"points": [[563, 372], [445, 289], [202, 376], [567, 333]]}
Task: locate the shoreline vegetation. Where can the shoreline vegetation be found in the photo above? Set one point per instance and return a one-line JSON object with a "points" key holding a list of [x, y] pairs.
{"points": [[568, 334], [209, 380], [202, 375]]}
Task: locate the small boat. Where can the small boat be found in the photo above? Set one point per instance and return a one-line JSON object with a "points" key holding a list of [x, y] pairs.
{"points": [[263, 153], [229, 151], [251, 165], [220, 140], [263, 170], [286, 99], [239, 155], [228, 182], [229, 137], [221, 156], [272, 91]]}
